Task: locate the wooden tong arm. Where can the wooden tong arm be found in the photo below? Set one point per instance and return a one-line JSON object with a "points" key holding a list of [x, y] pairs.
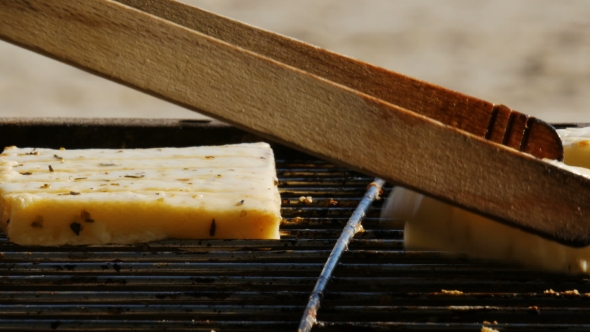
{"points": [[496, 123], [302, 110]]}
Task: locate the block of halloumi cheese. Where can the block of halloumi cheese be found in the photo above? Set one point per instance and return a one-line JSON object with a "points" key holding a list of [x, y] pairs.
{"points": [[576, 146], [434, 225], [99, 196]]}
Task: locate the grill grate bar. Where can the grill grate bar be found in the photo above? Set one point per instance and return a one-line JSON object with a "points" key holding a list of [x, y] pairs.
{"points": [[433, 326], [198, 325], [132, 297], [209, 245], [327, 192], [164, 283], [448, 314], [152, 268], [239, 268], [148, 311], [359, 182], [170, 256], [338, 284], [415, 299], [334, 222], [180, 244], [213, 255], [434, 299]]}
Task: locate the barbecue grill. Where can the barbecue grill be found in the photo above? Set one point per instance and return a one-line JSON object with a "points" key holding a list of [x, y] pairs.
{"points": [[368, 284]]}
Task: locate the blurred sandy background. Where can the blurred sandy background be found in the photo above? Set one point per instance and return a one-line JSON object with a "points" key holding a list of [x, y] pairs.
{"points": [[531, 55]]}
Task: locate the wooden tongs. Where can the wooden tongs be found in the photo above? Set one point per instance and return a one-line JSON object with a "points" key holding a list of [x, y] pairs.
{"points": [[450, 146]]}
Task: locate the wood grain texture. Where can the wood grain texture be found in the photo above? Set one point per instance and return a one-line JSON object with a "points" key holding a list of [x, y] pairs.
{"points": [[464, 112], [304, 111]]}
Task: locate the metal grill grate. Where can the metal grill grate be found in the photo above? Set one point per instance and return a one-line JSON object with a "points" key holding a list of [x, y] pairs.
{"points": [[402, 290], [242, 285]]}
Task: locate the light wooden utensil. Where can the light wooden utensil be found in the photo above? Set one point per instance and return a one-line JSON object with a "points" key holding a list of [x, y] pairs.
{"points": [[378, 122]]}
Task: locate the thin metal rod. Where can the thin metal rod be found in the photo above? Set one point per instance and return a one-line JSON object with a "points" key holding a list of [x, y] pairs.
{"points": [[352, 227]]}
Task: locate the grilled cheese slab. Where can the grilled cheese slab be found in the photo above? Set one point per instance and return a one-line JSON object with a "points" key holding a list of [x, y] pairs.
{"points": [[576, 146], [98, 196], [434, 225]]}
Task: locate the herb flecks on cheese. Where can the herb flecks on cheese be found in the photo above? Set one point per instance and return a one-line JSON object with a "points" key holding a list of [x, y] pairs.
{"points": [[97, 196]]}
